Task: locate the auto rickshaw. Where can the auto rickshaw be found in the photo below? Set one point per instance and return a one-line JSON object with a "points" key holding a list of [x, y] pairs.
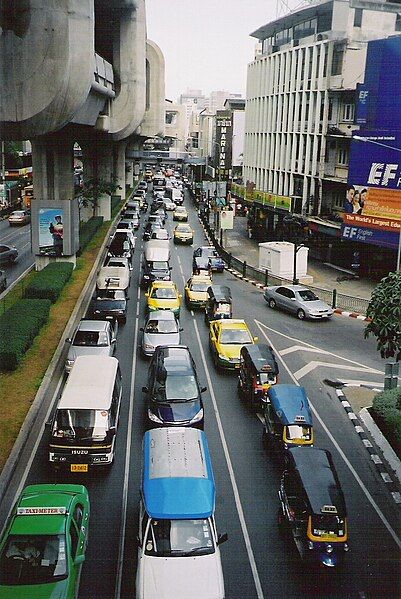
{"points": [[219, 303], [258, 372], [288, 418], [312, 507]]}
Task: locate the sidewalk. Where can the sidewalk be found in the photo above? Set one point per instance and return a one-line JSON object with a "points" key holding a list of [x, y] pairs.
{"points": [[239, 244]]}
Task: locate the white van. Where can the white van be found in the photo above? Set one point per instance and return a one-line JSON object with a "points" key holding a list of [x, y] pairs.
{"points": [[84, 426], [178, 554], [113, 277], [156, 262]]}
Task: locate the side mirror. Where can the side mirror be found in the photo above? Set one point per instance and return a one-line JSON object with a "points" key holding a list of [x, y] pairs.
{"points": [[146, 294], [256, 339], [79, 560], [127, 298], [113, 340], [68, 340], [48, 425], [145, 390], [203, 389], [113, 430], [180, 295], [292, 299], [181, 329], [141, 329], [170, 268], [222, 538]]}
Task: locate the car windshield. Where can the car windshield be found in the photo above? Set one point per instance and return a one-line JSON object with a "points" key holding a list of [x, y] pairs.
{"points": [[307, 295], [105, 304], [161, 326], [184, 229], [223, 308], [209, 253], [81, 424], [235, 336], [117, 263], [164, 293], [179, 388], [18, 213], [200, 287], [115, 294], [179, 538], [158, 265], [91, 339], [328, 524], [266, 377], [296, 431], [180, 209], [33, 559]]}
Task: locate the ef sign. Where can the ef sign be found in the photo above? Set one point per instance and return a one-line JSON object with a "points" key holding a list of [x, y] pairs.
{"points": [[226, 220]]}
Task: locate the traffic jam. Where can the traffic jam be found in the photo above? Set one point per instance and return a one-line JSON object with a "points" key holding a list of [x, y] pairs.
{"points": [[43, 546]]}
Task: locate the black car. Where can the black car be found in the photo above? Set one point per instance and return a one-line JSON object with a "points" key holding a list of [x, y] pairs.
{"points": [[173, 392], [8, 254], [150, 228], [109, 304]]}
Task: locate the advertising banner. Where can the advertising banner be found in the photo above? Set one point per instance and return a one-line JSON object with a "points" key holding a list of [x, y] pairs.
{"points": [[372, 208], [51, 231], [224, 139], [262, 197]]}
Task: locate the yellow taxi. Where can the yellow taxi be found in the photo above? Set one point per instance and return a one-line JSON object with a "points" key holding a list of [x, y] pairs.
{"points": [[163, 295], [196, 294], [183, 233], [180, 213], [226, 337]]}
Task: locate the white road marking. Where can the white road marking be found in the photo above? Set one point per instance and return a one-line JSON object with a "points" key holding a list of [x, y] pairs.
{"points": [[359, 481], [295, 348], [299, 374], [356, 383], [120, 561], [364, 367], [234, 485]]}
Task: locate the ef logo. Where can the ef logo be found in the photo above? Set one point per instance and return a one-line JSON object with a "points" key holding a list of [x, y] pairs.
{"points": [[381, 173]]}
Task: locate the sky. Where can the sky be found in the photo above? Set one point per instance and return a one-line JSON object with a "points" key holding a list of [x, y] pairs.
{"points": [[206, 43]]}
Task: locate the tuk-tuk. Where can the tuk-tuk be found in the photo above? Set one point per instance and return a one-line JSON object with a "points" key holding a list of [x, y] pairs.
{"points": [[219, 303], [312, 506], [288, 418], [258, 372]]}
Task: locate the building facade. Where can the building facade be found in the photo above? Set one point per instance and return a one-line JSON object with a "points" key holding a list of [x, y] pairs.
{"points": [[300, 100]]}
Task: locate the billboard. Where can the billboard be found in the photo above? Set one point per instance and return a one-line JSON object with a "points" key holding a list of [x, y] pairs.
{"points": [[51, 231], [224, 139], [372, 208]]}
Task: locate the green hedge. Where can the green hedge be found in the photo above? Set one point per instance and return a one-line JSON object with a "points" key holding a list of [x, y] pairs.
{"points": [[87, 231], [386, 410], [50, 281], [19, 325]]}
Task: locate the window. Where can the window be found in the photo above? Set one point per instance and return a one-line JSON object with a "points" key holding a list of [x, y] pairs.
{"points": [[330, 110], [343, 156], [358, 17], [74, 539], [348, 112], [338, 57], [78, 515]]}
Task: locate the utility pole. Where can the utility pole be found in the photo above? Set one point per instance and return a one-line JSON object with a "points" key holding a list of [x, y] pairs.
{"points": [[3, 171]]}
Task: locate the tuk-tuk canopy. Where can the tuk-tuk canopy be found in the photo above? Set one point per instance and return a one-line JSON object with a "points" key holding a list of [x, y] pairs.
{"points": [[290, 404], [319, 480], [220, 293], [262, 357]]}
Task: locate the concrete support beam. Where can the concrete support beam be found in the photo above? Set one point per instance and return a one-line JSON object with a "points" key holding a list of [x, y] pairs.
{"points": [[153, 123], [129, 173], [98, 164], [120, 167]]}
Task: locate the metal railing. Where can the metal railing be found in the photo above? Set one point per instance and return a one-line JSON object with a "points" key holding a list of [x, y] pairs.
{"points": [[332, 297]]}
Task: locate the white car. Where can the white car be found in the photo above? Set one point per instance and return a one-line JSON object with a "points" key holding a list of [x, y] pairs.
{"points": [[169, 205]]}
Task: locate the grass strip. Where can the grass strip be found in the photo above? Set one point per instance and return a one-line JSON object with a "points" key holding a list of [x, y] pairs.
{"points": [[18, 389]]}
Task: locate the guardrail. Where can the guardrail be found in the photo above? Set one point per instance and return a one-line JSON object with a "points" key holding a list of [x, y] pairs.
{"points": [[332, 297]]}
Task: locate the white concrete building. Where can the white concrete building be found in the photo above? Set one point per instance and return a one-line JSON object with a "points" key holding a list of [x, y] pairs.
{"points": [[300, 99], [237, 108]]}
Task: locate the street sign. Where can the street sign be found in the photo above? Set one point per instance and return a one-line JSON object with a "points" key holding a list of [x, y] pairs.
{"points": [[220, 202], [226, 220]]}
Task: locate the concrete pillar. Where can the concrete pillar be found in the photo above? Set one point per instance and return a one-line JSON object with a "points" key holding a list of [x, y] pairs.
{"points": [[129, 173], [98, 164], [53, 180], [119, 155]]}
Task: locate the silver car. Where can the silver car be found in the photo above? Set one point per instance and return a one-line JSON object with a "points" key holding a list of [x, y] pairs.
{"points": [[92, 337], [161, 328], [299, 300]]}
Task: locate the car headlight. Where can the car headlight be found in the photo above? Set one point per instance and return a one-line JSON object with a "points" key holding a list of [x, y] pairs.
{"points": [[222, 357], [70, 362], [197, 417], [146, 276], [154, 418]]}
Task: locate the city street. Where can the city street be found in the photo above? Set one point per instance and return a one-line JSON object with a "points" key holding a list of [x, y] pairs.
{"points": [[20, 237], [258, 561]]}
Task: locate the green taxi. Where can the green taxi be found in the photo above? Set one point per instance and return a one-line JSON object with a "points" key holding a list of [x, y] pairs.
{"points": [[43, 547]]}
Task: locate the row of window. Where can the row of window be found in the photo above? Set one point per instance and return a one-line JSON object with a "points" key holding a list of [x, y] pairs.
{"points": [[304, 29]]}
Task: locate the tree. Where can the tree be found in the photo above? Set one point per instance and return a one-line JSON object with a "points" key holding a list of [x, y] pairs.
{"points": [[94, 189], [385, 311]]}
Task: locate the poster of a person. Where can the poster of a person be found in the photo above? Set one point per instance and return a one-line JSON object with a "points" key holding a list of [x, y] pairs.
{"points": [[355, 199], [51, 231]]}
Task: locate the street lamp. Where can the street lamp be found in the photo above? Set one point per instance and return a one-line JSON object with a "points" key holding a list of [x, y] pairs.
{"points": [[378, 143]]}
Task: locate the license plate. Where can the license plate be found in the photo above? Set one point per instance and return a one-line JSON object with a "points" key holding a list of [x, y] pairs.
{"points": [[79, 467], [237, 365]]}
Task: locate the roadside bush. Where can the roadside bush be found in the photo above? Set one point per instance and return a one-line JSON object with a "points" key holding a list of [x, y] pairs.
{"points": [[386, 410], [50, 281], [19, 326], [87, 231]]}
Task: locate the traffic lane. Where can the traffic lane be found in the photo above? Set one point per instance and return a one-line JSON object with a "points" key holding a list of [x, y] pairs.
{"points": [[239, 582], [20, 237]]}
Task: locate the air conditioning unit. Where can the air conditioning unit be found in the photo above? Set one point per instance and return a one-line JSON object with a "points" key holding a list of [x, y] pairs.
{"points": [[275, 49], [321, 36], [295, 43]]}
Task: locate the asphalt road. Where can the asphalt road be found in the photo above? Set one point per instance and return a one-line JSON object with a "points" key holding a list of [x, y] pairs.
{"points": [[258, 562], [20, 237]]}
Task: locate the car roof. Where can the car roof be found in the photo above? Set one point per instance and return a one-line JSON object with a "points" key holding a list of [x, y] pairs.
{"points": [[161, 315], [262, 357], [178, 480], [319, 479], [93, 325], [220, 292], [291, 404], [36, 498]]}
